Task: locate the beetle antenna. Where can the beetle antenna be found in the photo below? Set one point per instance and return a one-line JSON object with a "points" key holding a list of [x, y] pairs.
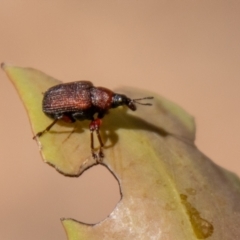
{"points": [[139, 99], [142, 98], [148, 104]]}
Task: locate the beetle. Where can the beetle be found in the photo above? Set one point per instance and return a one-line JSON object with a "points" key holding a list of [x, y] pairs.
{"points": [[81, 100]]}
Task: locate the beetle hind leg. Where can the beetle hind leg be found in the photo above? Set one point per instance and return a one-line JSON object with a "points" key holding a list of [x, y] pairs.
{"points": [[39, 134]]}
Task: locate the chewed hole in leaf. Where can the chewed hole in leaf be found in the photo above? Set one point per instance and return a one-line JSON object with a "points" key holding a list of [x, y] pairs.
{"points": [[97, 194]]}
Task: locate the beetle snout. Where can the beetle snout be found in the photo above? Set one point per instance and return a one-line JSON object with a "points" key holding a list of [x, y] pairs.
{"points": [[131, 105]]}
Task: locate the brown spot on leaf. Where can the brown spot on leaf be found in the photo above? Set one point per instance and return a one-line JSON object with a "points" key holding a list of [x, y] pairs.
{"points": [[201, 227]]}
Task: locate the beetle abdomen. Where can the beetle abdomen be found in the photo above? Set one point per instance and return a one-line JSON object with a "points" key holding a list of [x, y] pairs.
{"points": [[67, 97]]}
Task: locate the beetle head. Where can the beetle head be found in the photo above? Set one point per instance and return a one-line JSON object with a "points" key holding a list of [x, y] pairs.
{"points": [[120, 100]]}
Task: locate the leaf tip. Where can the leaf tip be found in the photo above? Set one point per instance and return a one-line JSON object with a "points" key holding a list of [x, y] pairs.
{"points": [[3, 64]]}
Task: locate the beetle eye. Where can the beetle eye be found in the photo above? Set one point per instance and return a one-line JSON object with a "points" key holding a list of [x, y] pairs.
{"points": [[120, 100]]}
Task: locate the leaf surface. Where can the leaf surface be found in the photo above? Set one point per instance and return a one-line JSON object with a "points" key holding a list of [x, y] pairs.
{"points": [[170, 190]]}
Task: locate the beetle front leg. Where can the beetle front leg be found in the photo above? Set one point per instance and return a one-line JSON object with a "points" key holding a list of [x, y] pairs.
{"points": [[94, 155], [94, 126], [101, 155]]}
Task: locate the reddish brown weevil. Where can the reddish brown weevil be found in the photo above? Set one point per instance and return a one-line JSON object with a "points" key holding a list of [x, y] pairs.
{"points": [[81, 101]]}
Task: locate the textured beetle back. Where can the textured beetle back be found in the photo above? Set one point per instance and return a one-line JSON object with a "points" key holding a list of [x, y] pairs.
{"points": [[67, 97]]}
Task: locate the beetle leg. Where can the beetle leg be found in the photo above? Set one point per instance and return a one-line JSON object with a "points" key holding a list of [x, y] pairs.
{"points": [[94, 155], [94, 126], [45, 130], [98, 122], [101, 155]]}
